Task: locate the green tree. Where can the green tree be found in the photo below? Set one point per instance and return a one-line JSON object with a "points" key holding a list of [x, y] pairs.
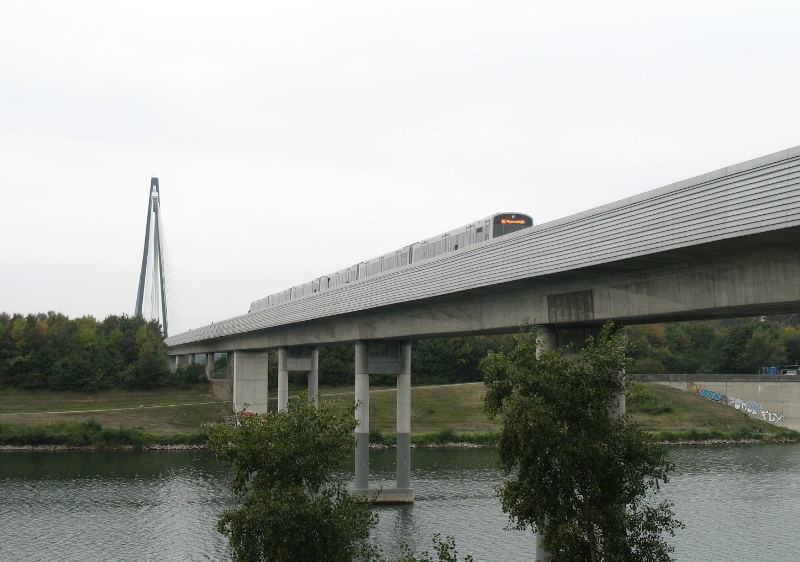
{"points": [[765, 347], [731, 353], [151, 365], [580, 475], [792, 346], [292, 506]]}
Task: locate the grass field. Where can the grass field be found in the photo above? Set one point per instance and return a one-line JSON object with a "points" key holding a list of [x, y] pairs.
{"points": [[452, 408], [160, 412], [661, 408]]}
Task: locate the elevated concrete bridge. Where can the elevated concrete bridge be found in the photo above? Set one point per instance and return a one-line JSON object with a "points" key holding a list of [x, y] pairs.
{"points": [[723, 244]]}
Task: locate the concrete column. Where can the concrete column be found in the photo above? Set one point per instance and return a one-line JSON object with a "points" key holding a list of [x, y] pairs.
{"points": [[362, 417], [283, 380], [541, 553], [186, 360], [547, 340], [210, 365], [230, 368], [618, 405], [250, 381], [313, 378], [404, 420], [172, 363]]}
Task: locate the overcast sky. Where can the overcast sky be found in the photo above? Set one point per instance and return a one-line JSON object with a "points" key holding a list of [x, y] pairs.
{"points": [[293, 139]]}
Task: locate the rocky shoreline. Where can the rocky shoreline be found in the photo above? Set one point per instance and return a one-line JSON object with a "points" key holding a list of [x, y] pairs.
{"points": [[454, 445], [92, 448]]}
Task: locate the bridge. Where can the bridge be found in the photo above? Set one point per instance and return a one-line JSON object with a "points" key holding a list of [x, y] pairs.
{"points": [[724, 244]]}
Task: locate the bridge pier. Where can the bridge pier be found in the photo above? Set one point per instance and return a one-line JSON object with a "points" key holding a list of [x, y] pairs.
{"points": [[403, 460], [384, 358], [283, 380], [362, 418], [250, 381], [230, 371], [186, 360], [297, 358], [172, 363], [313, 377], [209, 365], [549, 339]]}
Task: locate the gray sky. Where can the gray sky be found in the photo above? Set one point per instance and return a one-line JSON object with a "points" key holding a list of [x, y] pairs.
{"points": [[293, 139]]}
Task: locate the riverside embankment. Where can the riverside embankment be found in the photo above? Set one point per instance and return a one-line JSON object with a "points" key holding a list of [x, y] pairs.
{"points": [[445, 415]]}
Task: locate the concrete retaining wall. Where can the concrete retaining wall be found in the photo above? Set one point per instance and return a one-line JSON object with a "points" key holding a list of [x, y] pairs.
{"points": [[775, 399]]}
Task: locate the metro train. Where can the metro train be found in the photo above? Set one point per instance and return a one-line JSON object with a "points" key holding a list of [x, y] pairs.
{"points": [[476, 232]]}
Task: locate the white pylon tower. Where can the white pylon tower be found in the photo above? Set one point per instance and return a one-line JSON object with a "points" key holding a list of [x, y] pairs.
{"points": [[158, 283]]}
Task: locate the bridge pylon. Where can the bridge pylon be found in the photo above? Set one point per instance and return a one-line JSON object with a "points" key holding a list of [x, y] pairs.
{"points": [[153, 262]]}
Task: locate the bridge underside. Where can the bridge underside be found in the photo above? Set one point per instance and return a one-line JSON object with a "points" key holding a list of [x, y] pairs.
{"points": [[744, 276]]}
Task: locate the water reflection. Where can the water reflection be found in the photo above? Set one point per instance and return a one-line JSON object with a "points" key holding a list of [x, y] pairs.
{"points": [[162, 505]]}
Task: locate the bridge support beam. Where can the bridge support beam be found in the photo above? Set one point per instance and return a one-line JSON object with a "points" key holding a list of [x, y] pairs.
{"points": [[209, 365], [229, 368], [172, 363], [250, 381], [186, 360]]}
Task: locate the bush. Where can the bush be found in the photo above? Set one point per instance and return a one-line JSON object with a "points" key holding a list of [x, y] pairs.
{"points": [[188, 376]]}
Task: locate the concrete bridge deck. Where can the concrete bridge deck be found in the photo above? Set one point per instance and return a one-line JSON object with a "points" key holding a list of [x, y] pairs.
{"points": [[722, 244]]}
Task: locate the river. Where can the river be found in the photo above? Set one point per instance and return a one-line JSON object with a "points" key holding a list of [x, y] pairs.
{"points": [[737, 502]]}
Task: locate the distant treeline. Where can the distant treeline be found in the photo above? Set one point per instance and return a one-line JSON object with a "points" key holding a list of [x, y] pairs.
{"points": [[737, 346], [55, 352]]}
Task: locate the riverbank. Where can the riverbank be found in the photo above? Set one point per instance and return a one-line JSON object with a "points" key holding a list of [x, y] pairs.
{"points": [[90, 435], [441, 416]]}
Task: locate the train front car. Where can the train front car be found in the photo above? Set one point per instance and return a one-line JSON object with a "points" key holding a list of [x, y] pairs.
{"points": [[506, 223]]}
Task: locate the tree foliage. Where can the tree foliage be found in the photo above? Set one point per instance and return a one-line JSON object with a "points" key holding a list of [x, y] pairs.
{"points": [[444, 550], [738, 346], [55, 352], [292, 506], [582, 477]]}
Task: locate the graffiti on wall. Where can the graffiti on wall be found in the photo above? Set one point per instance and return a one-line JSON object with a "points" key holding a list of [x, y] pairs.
{"points": [[744, 405]]}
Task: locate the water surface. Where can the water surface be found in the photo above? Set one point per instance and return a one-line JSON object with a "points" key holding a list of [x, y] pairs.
{"points": [[736, 501]]}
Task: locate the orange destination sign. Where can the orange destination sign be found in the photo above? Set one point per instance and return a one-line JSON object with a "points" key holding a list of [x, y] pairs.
{"points": [[512, 221]]}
